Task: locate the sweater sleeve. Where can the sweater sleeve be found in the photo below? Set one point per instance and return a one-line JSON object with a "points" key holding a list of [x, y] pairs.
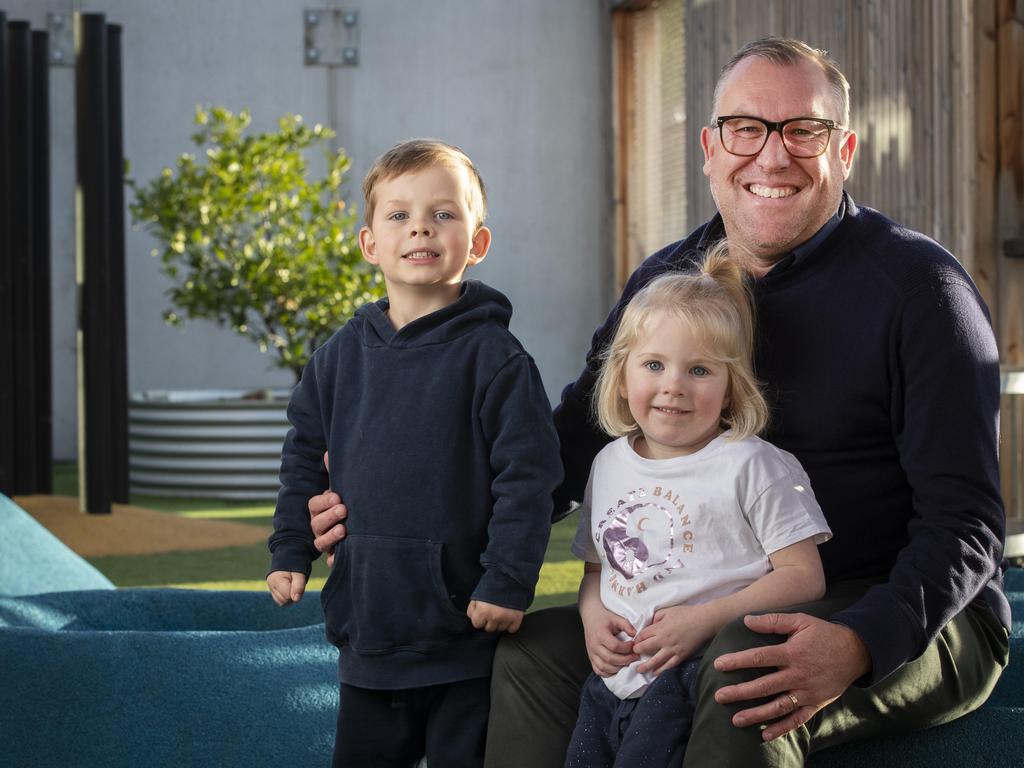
{"points": [[516, 419], [302, 475], [945, 414]]}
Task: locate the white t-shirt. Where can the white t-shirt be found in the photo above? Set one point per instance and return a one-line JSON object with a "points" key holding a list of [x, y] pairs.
{"points": [[690, 529]]}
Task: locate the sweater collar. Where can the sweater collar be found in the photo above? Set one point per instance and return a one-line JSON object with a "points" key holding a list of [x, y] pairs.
{"points": [[808, 247]]}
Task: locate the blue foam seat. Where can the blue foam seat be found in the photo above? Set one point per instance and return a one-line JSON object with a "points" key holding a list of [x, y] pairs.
{"points": [[164, 677], [101, 677], [33, 560]]}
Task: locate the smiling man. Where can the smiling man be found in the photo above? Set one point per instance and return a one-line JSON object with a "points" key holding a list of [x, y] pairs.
{"points": [[881, 370], [776, 184]]}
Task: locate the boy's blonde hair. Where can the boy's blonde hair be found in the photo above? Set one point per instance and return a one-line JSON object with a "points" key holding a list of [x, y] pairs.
{"points": [[715, 304], [415, 155]]}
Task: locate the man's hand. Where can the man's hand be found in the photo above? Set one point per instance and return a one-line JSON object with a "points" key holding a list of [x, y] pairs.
{"points": [[817, 662], [494, 618], [286, 587], [675, 634], [325, 515]]}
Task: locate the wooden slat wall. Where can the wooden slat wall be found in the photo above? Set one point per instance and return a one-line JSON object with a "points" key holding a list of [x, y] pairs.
{"points": [[1001, 155], [1009, 172], [912, 102], [651, 132], [936, 102]]}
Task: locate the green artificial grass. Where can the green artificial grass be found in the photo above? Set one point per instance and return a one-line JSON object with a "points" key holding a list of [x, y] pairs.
{"points": [[245, 567]]}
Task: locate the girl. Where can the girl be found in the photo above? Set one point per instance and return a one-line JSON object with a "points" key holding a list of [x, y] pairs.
{"points": [[689, 521]]}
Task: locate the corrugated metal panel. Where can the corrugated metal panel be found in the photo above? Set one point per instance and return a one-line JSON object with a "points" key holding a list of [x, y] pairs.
{"points": [[213, 444]]}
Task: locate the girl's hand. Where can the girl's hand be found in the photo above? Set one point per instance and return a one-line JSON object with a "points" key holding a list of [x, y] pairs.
{"points": [[675, 634], [494, 618], [608, 654]]}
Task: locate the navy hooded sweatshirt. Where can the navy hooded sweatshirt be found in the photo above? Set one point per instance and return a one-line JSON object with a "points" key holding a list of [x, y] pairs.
{"points": [[442, 447]]}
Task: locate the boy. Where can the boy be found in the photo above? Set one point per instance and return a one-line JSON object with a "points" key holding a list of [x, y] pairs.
{"points": [[439, 433]]}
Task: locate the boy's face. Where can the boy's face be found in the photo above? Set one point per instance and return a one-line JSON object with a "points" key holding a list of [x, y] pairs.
{"points": [[423, 234]]}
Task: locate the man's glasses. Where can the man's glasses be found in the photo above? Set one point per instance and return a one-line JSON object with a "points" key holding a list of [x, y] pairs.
{"points": [[803, 137]]}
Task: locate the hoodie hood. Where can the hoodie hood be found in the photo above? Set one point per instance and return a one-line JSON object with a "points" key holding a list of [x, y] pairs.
{"points": [[477, 303]]}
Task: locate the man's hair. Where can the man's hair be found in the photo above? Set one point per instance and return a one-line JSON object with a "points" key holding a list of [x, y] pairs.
{"points": [[788, 52], [415, 155], [715, 304]]}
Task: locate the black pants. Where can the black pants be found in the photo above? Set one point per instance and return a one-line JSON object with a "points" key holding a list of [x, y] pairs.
{"points": [[538, 673], [394, 729], [647, 732]]}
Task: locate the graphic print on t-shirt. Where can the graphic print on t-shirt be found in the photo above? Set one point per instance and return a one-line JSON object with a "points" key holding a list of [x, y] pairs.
{"points": [[644, 536]]}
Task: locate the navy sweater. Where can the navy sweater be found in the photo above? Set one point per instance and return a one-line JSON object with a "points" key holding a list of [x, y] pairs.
{"points": [[882, 374], [442, 447]]}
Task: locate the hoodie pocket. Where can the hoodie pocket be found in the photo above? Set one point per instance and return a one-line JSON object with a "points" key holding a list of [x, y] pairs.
{"points": [[388, 594]]}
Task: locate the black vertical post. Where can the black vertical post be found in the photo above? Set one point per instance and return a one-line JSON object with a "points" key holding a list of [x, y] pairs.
{"points": [[92, 245], [43, 343], [116, 265], [6, 285], [21, 139]]}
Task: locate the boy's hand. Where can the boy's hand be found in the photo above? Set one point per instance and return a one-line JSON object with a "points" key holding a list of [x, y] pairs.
{"points": [[675, 634], [494, 618], [608, 654], [286, 587]]}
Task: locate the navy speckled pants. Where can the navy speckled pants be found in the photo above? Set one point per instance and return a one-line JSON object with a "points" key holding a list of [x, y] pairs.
{"points": [[646, 732]]}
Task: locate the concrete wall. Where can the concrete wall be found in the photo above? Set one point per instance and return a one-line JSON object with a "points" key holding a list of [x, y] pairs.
{"points": [[523, 86]]}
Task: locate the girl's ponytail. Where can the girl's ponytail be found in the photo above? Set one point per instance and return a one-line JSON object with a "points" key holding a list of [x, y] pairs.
{"points": [[747, 412], [726, 271]]}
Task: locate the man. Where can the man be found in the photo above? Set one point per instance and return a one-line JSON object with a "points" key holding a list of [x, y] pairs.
{"points": [[880, 365]]}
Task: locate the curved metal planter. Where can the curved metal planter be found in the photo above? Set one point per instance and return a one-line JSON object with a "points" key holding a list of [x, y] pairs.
{"points": [[222, 444]]}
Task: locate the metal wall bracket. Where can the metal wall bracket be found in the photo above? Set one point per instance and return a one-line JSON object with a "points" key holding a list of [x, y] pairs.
{"points": [[331, 37], [61, 27]]}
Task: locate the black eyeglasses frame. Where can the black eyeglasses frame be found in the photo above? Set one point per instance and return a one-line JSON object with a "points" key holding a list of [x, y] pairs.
{"points": [[831, 125]]}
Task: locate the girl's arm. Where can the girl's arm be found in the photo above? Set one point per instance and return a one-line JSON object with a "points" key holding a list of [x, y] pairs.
{"points": [[608, 654], [680, 631]]}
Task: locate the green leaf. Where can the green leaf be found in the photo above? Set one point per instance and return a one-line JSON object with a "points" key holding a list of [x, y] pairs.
{"points": [[251, 241]]}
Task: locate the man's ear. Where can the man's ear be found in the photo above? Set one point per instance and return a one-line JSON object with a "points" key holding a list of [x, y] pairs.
{"points": [[481, 244], [846, 152], [706, 144], [368, 245]]}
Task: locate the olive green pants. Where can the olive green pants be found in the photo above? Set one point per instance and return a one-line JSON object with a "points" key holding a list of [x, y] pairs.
{"points": [[538, 673]]}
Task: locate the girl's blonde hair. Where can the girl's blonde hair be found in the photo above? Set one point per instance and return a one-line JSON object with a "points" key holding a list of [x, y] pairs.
{"points": [[715, 304]]}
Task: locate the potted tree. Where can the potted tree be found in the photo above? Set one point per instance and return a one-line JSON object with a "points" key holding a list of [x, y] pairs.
{"points": [[250, 241]]}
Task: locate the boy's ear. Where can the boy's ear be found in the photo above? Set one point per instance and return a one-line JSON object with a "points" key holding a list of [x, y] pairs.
{"points": [[481, 244], [368, 245]]}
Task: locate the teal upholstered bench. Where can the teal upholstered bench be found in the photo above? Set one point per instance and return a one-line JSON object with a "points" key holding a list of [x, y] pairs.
{"points": [[95, 676], [162, 677]]}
